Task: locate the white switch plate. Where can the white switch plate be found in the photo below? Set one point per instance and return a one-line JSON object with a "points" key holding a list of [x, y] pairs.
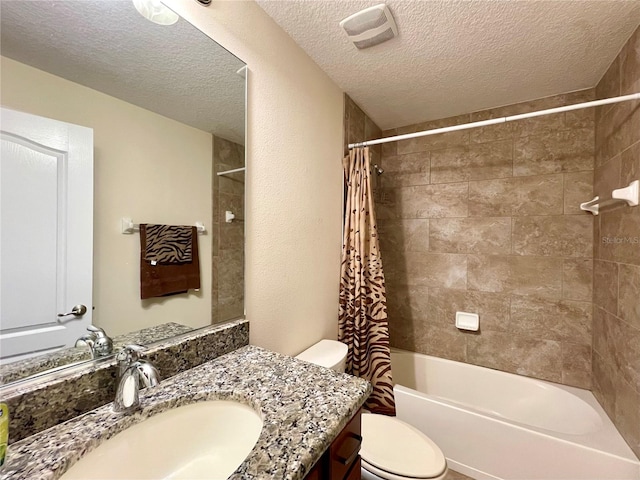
{"points": [[468, 321]]}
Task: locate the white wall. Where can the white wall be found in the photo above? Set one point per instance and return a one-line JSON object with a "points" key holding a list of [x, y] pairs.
{"points": [[294, 177], [148, 167]]}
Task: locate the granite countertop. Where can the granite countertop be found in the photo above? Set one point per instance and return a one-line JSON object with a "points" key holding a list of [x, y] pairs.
{"points": [[11, 372], [303, 407]]}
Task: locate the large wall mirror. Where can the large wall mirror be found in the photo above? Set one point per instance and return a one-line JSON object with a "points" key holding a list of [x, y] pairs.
{"points": [[110, 120]]}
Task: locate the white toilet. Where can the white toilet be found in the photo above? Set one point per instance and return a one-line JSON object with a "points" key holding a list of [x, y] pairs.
{"points": [[391, 449]]}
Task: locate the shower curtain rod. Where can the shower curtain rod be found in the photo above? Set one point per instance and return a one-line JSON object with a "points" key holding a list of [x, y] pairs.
{"points": [[493, 121]]}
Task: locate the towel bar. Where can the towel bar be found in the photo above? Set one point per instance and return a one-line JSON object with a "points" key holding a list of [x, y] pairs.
{"points": [[128, 227]]}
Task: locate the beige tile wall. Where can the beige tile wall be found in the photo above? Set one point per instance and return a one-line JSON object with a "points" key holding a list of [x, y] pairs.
{"points": [[359, 127], [616, 295], [227, 238], [488, 221]]}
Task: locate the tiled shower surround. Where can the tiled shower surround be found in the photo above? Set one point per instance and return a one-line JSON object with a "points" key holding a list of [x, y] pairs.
{"points": [[488, 221], [227, 296], [616, 312]]}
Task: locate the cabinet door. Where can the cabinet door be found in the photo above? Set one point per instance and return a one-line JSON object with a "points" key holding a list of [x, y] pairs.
{"points": [[356, 472], [314, 474], [341, 460], [343, 452]]}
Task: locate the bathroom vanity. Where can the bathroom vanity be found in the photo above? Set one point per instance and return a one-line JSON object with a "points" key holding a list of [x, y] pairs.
{"points": [[341, 461], [310, 419]]}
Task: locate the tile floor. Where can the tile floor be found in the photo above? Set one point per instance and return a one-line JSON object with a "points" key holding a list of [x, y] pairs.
{"points": [[453, 475]]}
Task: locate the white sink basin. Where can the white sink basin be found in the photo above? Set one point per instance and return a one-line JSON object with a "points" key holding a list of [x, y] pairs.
{"points": [[197, 441]]}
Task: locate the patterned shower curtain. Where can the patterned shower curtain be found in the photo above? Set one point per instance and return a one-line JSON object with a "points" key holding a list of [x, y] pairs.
{"points": [[363, 312]]}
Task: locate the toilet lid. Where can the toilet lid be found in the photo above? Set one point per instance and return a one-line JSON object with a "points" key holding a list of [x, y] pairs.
{"points": [[396, 447], [326, 353]]}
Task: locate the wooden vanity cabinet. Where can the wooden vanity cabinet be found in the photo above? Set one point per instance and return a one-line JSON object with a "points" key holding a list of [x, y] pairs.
{"points": [[341, 461]]}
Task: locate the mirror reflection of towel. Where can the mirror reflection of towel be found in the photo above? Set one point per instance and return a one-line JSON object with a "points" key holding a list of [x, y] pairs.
{"points": [[159, 279], [168, 243]]}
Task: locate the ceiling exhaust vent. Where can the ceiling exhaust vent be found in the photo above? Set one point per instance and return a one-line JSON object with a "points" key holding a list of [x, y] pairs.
{"points": [[370, 26]]}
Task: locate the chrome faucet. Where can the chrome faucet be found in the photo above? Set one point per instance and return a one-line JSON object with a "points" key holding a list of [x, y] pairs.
{"points": [[98, 342], [133, 374]]}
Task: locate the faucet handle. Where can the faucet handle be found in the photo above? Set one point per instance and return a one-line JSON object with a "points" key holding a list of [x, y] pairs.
{"points": [[149, 376], [97, 330], [129, 353]]}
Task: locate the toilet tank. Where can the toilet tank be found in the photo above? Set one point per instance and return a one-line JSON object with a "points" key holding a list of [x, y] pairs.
{"points": [[327, 353]]}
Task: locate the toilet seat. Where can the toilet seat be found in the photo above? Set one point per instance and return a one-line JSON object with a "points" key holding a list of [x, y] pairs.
{"points": [[369, 472], [394, 450]]}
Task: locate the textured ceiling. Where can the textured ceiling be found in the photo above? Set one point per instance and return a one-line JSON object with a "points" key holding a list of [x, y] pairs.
{"points": [[457, 56], [176, 71]]}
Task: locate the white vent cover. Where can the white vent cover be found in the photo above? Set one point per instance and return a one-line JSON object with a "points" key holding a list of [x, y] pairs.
{"points": [[370, 26]]}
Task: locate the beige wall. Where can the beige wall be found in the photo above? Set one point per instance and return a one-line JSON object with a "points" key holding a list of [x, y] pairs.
{"points": [[147, 167], [488, 221], [294, 177], [616, 293]]}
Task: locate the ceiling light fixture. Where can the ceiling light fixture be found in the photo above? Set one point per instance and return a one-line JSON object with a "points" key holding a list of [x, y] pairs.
{"points": [[156, 11]]}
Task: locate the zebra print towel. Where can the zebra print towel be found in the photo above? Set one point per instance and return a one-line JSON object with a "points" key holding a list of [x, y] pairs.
{"points": [[158, 278], [168, 244]]}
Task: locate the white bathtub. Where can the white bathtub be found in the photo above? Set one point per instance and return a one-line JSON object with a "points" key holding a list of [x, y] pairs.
{"points": [[497, 425]]}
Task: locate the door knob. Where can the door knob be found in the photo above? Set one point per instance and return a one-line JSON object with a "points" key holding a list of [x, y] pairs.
{"points": [[78, 311]]}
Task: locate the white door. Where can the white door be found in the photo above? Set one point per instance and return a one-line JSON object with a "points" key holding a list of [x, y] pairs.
{"points": [[46, 233]]}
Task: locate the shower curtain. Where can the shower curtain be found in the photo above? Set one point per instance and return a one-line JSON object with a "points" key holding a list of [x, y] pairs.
{"points": [[363, 312]]}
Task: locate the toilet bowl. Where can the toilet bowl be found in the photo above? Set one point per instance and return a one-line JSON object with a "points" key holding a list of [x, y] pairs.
{"points": [[391, 449]]}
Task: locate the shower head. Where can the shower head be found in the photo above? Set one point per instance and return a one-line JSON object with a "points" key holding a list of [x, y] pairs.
{"points": [[378, 170]]}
